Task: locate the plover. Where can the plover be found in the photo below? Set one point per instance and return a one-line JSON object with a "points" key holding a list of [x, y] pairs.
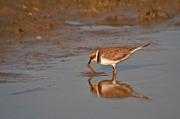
{"points": [[111, 56]]}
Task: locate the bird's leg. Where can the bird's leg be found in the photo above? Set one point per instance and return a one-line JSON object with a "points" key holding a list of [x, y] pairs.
{"points": [[114, 70], [114, 75]]}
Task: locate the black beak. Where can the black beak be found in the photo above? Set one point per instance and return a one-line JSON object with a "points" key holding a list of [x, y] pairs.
{"points": [[90, 60]]}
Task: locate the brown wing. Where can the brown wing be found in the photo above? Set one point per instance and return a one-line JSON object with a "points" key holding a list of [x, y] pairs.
{"points": [[115, 53]]}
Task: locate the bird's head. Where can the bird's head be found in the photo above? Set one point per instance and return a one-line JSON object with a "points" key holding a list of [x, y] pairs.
{"points": [[92, 57]]}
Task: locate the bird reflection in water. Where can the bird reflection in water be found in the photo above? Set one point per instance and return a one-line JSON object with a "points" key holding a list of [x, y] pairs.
{"points": [[113, 89]]}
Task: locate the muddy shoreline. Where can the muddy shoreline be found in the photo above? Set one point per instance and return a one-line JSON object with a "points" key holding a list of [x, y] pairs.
{"points": [[22, 19]]}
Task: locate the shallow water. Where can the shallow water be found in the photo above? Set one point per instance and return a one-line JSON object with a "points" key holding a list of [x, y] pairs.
{"points": [[54, 88]]}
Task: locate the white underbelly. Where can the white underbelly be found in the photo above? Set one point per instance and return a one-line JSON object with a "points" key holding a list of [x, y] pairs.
{"points": [[108, 62]]}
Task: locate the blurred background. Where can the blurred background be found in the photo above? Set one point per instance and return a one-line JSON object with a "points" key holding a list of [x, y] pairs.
{"points": [[21, 18]]}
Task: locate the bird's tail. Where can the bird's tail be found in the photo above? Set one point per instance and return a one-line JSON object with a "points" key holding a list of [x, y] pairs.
{"points": [[140, 96], [140, 47], [145, 45]]}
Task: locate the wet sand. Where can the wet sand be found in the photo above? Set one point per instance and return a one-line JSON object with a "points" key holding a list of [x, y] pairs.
{"points": [[44, 80]]}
